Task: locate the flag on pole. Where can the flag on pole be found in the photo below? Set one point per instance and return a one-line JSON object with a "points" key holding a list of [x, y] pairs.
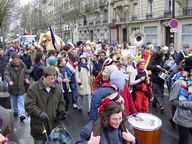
{"points": [[53, 39]]}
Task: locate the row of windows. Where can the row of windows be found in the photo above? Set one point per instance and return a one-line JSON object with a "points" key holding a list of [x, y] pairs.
{"points": [[151, 34]]}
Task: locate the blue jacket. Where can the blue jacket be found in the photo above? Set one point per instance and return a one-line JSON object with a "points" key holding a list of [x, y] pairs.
{"points": [[112, 135], [96, 100]]}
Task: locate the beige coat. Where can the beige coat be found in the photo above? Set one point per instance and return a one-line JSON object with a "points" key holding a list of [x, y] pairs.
{"points": [[83, 77]]}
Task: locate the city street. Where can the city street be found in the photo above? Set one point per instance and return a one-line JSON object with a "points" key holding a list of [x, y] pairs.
{"points": [[78, 119], [73, 42]]}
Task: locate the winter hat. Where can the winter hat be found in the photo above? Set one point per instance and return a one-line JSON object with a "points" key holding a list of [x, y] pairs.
{"points": [[118, 78], [108, 62], [116, 98], [4, 119], [52, 60], [107, 71], [83, 56]]}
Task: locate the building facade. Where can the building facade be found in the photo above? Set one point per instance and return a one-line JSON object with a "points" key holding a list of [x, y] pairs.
{"points": [[152, 17], [116, 20]]}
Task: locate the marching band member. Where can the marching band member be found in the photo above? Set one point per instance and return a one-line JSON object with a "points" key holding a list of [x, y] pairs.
{"points": [[155, 66], [140, 82]]}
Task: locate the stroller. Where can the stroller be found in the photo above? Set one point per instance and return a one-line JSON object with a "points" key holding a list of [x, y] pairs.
{"points": [[58, 135]]}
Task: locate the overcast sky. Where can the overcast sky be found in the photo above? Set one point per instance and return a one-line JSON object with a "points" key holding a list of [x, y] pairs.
{"points": [[24, 2]]}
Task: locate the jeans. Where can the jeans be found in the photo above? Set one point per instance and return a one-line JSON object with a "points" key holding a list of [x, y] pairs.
{"points": [[18, 105], [74, 94]]}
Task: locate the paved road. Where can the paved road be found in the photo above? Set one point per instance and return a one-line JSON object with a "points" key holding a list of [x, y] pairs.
{"points": [[78, 119]]}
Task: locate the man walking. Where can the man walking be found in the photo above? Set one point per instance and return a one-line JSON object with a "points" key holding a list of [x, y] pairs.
{"points": [[45, 105], [15, 75]]}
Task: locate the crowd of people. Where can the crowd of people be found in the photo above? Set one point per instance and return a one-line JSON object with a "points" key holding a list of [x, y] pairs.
{"points": [[117, 81]]}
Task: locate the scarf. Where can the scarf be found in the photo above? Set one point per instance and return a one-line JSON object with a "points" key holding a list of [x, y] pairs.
{"points": [[186, 85], [16, 67], [84, 65]]}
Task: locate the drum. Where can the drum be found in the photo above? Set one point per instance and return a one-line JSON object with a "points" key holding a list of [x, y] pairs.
{"points": [[163, 76], [148, 130]]}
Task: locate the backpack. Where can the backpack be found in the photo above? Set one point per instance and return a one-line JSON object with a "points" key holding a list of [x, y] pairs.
{"points": [[59, 135]]}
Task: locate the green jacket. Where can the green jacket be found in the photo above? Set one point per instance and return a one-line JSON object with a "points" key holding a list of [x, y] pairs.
{"points": [[17, 77], [38, 100]]}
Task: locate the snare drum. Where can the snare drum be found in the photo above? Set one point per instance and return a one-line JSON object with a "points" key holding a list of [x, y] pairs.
{"points": [[148, 130], [163, 76]]}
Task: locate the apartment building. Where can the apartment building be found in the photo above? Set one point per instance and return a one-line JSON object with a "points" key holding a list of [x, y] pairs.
{"points": [[152, 17], [116, 20]]}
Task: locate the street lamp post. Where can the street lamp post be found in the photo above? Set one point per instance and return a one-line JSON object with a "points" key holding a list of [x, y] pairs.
{"points": [[173, 9], [173, 16]]}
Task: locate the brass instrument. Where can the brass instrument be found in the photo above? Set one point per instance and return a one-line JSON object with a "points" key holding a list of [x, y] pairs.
{"points": [[117, 58], [137, 38]]}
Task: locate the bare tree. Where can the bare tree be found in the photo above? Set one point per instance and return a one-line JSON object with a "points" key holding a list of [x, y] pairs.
{"points": [[25, 18], [6, 13], [33, 18]]}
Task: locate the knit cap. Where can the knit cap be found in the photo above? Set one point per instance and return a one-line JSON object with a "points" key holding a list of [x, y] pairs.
{"points": [[107, 71], [52, 60], [118, 78]]}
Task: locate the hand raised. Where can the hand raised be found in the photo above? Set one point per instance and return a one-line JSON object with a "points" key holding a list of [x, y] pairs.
{"points": [[128, 137], [94, 139]]}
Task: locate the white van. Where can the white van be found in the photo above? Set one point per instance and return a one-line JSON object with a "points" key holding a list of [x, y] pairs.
{"points": [[27, 39]]}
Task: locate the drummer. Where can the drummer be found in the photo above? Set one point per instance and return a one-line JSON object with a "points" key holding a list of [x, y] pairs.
{"points": [[155, 66]]}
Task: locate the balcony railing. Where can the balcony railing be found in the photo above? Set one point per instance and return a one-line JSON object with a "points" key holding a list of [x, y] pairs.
{"points": [[97, 22], [167, 13], [149, 16], [187, 11], [122, 19], [91, 23], [133, 18]]}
